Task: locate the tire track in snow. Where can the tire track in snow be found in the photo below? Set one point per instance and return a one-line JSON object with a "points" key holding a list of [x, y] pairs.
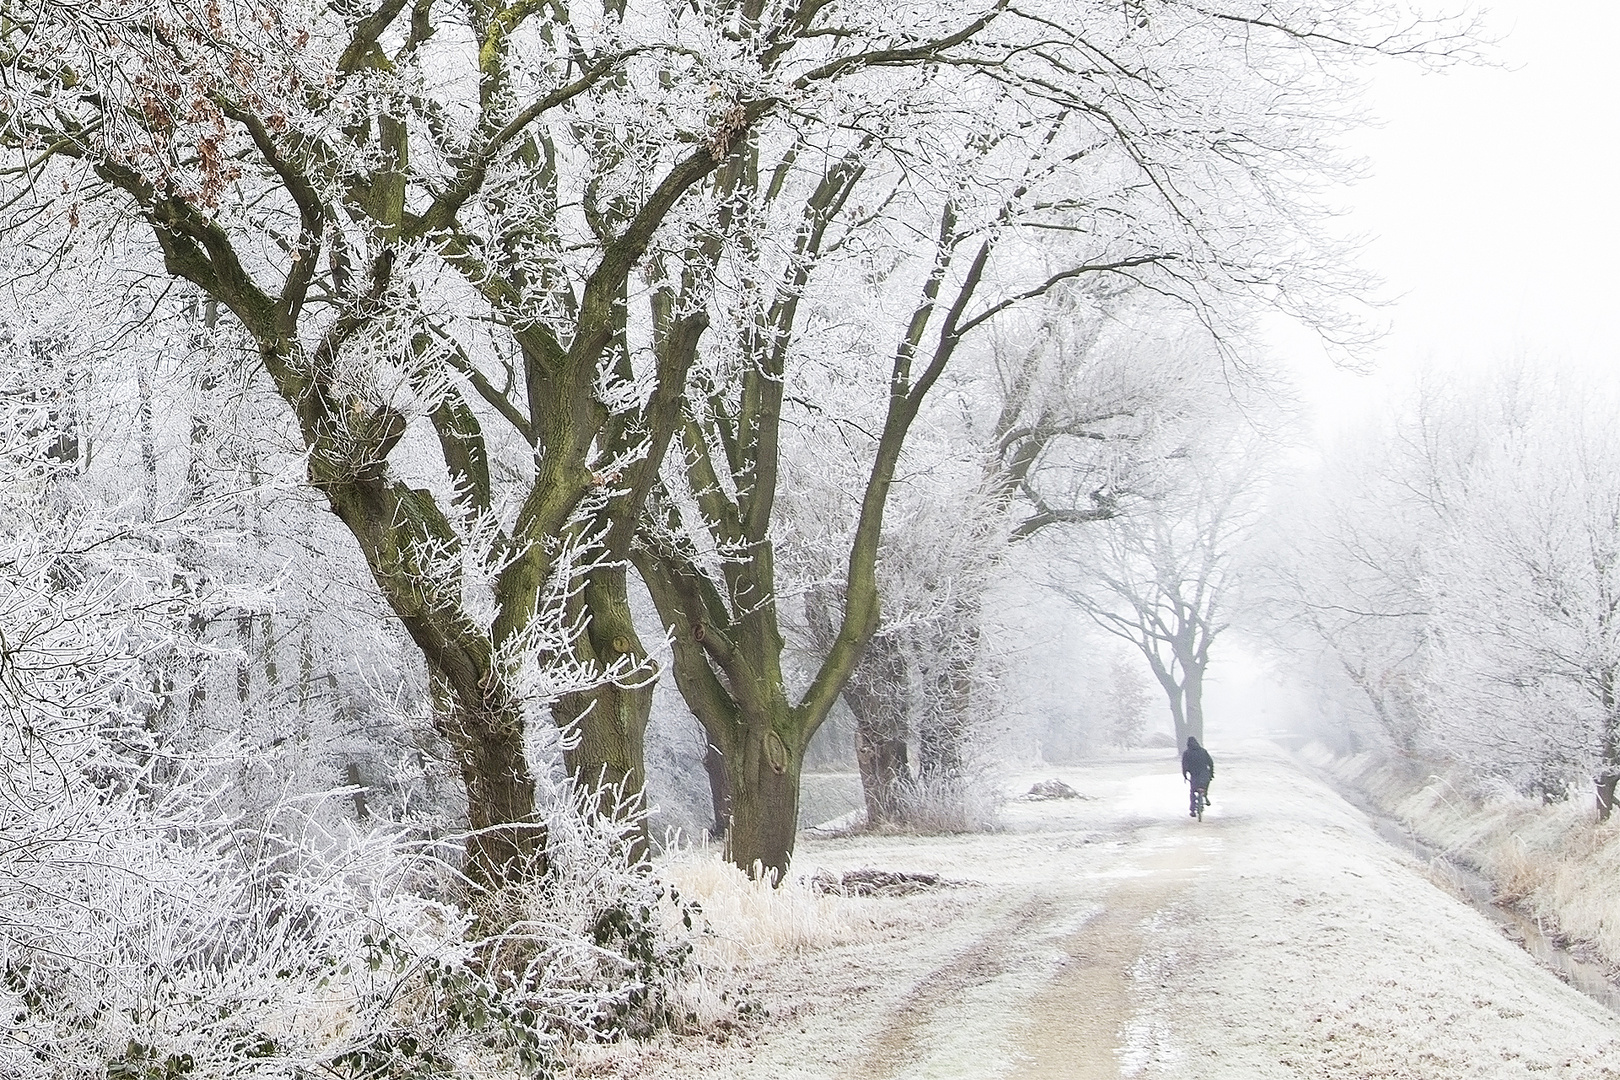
{"points": [[1088, 1023], [1083, 1019], [1005, 948]]}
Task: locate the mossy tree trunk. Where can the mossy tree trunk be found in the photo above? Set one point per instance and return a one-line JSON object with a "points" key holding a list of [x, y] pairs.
{"points": [[878, 695]]}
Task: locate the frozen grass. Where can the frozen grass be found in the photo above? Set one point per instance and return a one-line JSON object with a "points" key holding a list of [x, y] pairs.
{"points": [[1553, 860], [745, 928], [746, 921], [962, 804]]}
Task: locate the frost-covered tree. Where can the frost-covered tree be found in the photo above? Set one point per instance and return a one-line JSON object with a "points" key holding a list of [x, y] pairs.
{"points": [[164, 912], [1460, 571], [429, 219], [1126, 703], [1524, 593], [942, 544], [1342, 578], [1162, 577], [1060, 144]]}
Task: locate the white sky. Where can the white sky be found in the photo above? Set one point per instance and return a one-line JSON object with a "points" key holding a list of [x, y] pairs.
{"points": [[1492, 206]]}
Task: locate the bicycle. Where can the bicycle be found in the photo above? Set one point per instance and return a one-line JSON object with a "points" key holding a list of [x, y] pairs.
{"points": [[1200, 799]]}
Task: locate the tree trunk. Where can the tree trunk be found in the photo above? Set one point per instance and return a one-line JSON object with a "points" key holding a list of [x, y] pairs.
{"points": [[885, 771], [1607, 781], [1192, 687], [714, 763], [1178, 715], [878, 697], [759, 736], [611, 720], [1172, 690], [880, 701], [148, 441], [352, 777], [505, 842], [764, 777], [608, 722]]}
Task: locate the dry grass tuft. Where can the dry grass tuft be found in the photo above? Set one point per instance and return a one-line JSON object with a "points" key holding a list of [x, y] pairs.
{"points": [[968, 803], [746, 921]]}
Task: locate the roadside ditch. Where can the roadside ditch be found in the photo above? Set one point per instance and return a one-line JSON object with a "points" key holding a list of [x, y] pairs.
{"points": [[1588, 975]]}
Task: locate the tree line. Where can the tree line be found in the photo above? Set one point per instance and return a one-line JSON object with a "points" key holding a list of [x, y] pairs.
{"points": [[1472, 616], [535, 285]]}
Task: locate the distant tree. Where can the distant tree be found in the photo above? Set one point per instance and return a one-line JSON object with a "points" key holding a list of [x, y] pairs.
{"points": [[1162, 577], [1461, 570], [1525, 595], [1096, 397], [1126, 704], [1341, 578]]}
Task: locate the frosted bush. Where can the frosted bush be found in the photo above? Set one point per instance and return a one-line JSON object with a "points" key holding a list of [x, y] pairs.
{"points": [[967, 802], [148, 931], [154, 949], [597, 943]]}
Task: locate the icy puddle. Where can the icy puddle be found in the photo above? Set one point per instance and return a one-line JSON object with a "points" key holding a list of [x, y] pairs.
{"points": [[1111, 936]]}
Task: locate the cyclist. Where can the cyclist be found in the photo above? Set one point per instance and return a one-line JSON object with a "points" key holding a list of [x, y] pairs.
{"points": [[1198, 768]]}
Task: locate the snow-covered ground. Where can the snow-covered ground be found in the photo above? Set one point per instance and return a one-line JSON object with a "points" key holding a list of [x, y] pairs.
{"points": [[1111, 936]]}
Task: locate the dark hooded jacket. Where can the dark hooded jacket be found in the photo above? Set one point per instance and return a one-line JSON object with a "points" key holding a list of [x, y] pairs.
{"points": [[1196, 763]]}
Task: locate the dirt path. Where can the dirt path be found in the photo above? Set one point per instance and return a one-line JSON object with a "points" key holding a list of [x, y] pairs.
{"points": [[1051, 990], [1080, 1020], [1278, 938], [897, 1043], [1110, 937]]}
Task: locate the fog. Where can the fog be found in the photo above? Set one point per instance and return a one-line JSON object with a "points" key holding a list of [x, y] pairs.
{"points": [[472, 476]]}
